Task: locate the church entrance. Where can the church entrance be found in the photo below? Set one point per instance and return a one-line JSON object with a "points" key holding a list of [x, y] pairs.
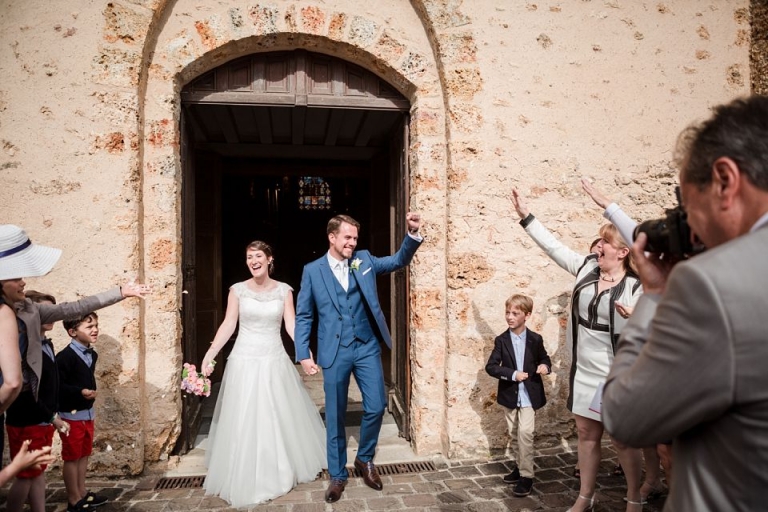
{"points": [[272, 146]]}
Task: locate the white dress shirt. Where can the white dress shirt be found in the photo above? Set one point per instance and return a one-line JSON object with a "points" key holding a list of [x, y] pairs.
{"points": [[340, 270]]}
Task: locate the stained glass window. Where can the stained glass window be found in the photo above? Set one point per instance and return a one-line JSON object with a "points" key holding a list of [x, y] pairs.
{"points": [[314, 193]]}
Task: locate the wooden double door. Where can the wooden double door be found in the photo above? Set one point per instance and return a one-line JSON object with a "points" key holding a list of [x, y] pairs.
{"points": [[255, 170]]}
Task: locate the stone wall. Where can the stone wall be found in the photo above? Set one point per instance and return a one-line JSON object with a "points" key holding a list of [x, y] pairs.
{"points": [[531, 95], [539, 94], [759, 46]]}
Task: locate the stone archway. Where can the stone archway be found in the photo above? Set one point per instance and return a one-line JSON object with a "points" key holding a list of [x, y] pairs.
{"points": [[185, 47]]}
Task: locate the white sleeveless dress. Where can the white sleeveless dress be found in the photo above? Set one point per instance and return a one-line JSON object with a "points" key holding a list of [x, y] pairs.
{"points": [[267, 435]]}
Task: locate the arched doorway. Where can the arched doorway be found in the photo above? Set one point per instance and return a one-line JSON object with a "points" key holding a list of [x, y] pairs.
{"points": [[272, 146]]}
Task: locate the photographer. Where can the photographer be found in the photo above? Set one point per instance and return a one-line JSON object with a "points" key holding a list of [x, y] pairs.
{"points": [[691, 360]]}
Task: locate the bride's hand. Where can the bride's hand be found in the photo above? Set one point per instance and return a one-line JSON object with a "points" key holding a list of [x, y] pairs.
{"points": [[309, 366], [208, 364]]}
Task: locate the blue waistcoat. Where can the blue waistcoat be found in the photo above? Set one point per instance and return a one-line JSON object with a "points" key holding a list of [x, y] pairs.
{"points": [[355, 322]]}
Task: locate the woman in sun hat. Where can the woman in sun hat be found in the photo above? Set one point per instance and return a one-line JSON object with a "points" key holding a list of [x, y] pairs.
{"points": [[21, 352], [18, 258]]}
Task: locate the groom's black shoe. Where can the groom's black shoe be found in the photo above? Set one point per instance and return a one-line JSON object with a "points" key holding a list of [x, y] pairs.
{"points": [[335, 488], [369, 474]]}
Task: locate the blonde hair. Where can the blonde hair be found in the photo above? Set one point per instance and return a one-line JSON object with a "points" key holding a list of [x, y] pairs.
{"points": [[610, 234], [523, 302]]}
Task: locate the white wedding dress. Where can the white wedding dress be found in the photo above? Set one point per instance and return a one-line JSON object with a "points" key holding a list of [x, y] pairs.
{"points": [[267, 435]]}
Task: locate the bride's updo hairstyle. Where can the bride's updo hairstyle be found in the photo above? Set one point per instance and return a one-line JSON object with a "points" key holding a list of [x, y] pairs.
{"points": [[258, 245]]}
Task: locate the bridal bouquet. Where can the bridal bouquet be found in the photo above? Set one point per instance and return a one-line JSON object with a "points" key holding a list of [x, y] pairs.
{"points": [[194, 382]]}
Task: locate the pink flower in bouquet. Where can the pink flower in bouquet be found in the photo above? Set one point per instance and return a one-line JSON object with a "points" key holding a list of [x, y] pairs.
{"points": [[194, 382]]}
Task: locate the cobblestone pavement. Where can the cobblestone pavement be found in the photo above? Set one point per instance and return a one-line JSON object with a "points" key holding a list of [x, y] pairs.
{"points": [[474, 486]]}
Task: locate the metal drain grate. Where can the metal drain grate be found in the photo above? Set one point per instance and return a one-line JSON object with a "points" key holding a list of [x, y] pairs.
{"points": [[195, 482], [401, 468], [179, 482]]}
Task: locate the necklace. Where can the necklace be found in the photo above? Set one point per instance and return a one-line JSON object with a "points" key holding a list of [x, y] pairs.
{"points": [[607, 277]]}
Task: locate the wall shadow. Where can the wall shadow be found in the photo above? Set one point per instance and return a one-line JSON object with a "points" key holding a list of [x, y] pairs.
{"points": [[491, 414]]}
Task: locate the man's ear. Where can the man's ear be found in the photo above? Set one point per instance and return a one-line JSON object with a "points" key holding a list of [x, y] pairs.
{"points": [[726, 181]]}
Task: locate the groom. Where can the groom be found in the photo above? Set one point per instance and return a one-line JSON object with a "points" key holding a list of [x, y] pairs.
{"points": [[339, 291]]}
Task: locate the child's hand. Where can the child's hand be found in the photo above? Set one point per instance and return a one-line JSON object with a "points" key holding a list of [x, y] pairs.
{"points": [[90, 394], [542, 369], [61, 425], [521, 376], [28, 459]]}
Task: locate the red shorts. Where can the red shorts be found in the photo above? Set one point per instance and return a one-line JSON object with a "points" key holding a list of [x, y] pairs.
{"points": [[39, 436], [79, 442]]}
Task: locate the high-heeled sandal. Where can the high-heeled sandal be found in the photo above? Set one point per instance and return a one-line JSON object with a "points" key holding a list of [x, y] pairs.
{"points": [[655, 492], [591, 503], [630, 502]]}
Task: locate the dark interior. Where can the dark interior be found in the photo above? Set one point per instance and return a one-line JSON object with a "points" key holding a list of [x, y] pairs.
{"points": [[253, 131], [263, 204]]}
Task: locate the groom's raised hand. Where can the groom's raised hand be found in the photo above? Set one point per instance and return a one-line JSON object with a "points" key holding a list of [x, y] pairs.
{"points": [[309, 366], [414, 222]]}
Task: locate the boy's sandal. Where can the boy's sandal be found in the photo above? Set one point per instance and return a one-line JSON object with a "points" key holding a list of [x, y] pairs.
{"points": [[83, 504], [618, 470], [92, 501]]}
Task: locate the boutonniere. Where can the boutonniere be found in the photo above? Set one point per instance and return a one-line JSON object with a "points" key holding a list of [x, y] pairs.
{"points": [[355, 265]]}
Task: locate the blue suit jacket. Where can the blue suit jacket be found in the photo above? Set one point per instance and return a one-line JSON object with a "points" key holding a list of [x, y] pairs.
{"points": [[317, 298]]}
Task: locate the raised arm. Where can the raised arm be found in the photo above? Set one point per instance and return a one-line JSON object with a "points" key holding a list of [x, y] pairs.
{"points": [[565, 257], [612, 212], [597, 196], [50, 313], [224, 332], [403, 257]]}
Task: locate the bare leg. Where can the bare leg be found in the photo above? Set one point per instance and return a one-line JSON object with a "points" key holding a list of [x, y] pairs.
{"points": [[630, 459], [589, 432], [37, 494], [69, 472], [17, 494], [652, 474], [82, 466], [665, 454]]}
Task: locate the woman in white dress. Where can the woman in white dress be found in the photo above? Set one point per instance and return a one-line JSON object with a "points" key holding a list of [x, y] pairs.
{"points": [[267, 435], [603, 297]]}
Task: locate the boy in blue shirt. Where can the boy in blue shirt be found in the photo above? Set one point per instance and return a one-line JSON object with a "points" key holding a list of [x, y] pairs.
{"points": [[77, 365], [518, 360]]}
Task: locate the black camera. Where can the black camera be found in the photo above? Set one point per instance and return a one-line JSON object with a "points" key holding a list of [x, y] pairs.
{"points": [[670, 235]]}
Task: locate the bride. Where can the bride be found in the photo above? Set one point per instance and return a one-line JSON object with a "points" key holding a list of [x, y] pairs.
{"points": [[267, 435]]}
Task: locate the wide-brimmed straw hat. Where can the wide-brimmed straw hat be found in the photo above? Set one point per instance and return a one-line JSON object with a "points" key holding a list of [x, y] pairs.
{"points": [[20, 258]]}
